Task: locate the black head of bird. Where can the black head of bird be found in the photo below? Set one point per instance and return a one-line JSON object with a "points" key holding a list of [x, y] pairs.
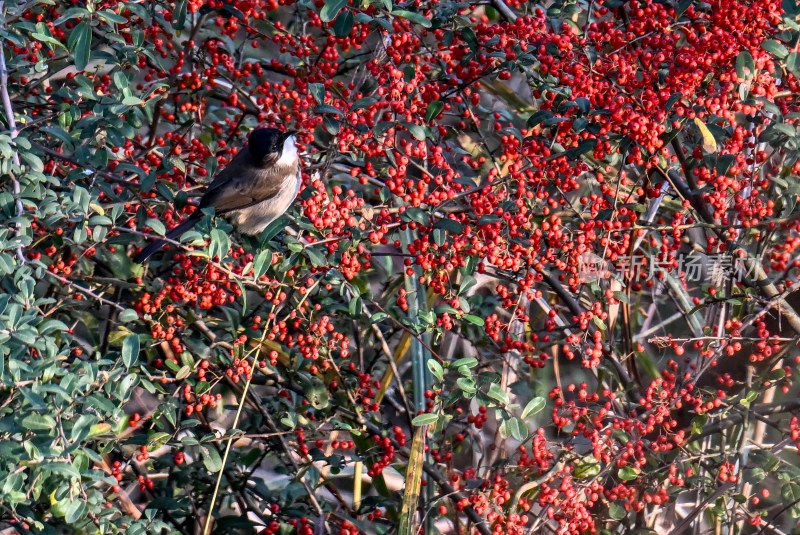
{"points": [[266, 146], [254, 189]]}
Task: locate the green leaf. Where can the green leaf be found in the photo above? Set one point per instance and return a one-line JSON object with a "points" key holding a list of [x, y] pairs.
{"points": [[475, 320], [453, 227], [128, 315], [469, 362], [466, 385], [745, 66], [80, 44], [749, 398], [416, 130], [130, 350], [331, 9], [39, 422], [378, 317], [385, 4], [363, 103], [538, 117], [434, 109], [498, 394], [424, 419], [534, 406], [627, 473], [157, 226], [586, 468], [47, 39], [64, 469], [355, 307], [343, 25], [775, 48], [326, 108], [75, 511], [436, 369], [156, 440], [317, 258], [413, 17], [675, 97], [775, 375], [220, 244], [331, 125], [790, 492], [183, 373], [318, 92], [468, 34], [132, 101], [211, 459], [179, 15], [616, 511], [516, 429], [417, 215], [793, 63], [110, 16], [261, 263], [69, 14]]}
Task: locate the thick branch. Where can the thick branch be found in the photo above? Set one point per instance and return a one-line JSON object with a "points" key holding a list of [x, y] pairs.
{"points": [[504, 10]]}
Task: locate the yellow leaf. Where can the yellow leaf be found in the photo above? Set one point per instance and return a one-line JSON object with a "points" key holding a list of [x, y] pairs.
{"points": [[99, 429], [97, 208], [416, 459], [709, 143]]}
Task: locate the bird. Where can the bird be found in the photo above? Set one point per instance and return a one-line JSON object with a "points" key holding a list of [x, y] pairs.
{"points": [[254, 189]]}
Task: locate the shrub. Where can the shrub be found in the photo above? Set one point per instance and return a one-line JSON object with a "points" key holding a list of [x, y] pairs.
{"points": [[540, 272]]}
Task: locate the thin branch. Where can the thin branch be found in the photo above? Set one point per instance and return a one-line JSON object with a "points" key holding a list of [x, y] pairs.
{"points": [[86, 291], [737, 418]]}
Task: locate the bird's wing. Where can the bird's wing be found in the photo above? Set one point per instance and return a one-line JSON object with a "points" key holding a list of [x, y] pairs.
{"points": [[239, 185]]}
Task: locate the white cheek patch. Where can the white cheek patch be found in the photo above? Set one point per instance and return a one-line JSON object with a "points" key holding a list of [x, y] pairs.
{"points": [[289, 153]]}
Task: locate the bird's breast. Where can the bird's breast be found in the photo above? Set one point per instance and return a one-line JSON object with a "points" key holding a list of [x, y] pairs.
{"points": [[256, 218]]}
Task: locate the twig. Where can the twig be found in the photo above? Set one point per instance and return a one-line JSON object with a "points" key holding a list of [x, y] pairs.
{"points": [[664, 341], [530, 485], [722, 489], [86, 291], [393, 366], [245, 390], [734, 419]]}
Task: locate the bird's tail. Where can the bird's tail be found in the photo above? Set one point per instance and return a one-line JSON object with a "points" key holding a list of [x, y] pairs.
{"points": [[173, 234]]}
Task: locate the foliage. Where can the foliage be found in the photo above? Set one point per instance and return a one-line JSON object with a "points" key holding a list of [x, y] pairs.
{"points": [[463, 164]]}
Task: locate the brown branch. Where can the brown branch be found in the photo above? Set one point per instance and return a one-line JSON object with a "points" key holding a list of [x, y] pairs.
{"points": [[86, 291]]}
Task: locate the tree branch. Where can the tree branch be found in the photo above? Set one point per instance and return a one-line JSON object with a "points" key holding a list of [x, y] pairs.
{"points": [[504, 10]]}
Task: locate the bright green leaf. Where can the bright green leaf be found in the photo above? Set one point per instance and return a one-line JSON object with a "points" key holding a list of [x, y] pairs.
{"points": [[534, 407], [424, 419]]}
